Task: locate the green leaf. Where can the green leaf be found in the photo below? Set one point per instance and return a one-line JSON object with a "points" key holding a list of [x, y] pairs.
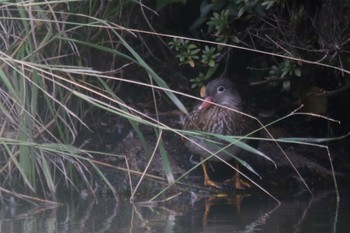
{"points": [[242, 144], [166, 164], [235, 39], [211, 71], [195, 51], [286, 85], [191, 46], [297, 72], [241, 12], [221, 148], [314, 140], [205, 8], [211, 63]]}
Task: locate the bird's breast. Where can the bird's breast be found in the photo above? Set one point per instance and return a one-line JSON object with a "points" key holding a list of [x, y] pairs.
{"points": [[214, 120]]}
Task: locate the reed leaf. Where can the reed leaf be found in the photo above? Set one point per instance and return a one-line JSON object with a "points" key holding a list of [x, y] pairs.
{"points": [[165, 160], [155, 77], [124, 109]]}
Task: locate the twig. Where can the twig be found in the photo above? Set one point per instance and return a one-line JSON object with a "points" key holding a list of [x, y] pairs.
{"points": [[147, 166], [30, 198], [155, 203]]}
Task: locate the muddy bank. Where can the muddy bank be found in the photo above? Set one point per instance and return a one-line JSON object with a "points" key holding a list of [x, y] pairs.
{"points": [[115, 135]]}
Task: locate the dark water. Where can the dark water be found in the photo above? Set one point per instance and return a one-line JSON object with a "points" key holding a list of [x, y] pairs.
{"points": [[243, 214]]}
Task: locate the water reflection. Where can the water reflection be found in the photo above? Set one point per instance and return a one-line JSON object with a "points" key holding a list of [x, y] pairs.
{"points": [[240, 213]]}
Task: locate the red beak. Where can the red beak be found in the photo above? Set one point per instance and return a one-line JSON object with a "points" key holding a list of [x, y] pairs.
{"points": [[206, 103]]}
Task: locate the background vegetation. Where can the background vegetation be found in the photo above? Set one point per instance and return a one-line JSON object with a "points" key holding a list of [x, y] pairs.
{"points": [[64, 63]]}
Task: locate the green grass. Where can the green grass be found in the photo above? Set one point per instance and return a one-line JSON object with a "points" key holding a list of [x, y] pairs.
{"points": [[47, 86]]}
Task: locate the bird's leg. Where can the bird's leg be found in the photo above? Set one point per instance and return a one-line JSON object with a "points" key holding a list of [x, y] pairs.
{"points": [[238, 182], [207, 180]]}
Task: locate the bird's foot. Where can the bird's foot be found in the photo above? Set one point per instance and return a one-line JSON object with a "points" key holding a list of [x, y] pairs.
{"points": [[238, 183], [211, 183]]}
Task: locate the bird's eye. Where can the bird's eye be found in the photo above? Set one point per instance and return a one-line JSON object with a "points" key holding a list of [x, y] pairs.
{"points": [[221, 89]]}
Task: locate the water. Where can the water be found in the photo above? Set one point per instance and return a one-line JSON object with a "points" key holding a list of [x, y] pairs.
{"points": [[244, 214]]}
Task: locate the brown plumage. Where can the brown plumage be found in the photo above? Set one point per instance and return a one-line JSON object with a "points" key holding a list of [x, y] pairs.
{"points": [[211, 118]]}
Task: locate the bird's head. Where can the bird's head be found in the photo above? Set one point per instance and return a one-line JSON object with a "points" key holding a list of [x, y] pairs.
{"points": [[221, 91]]}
